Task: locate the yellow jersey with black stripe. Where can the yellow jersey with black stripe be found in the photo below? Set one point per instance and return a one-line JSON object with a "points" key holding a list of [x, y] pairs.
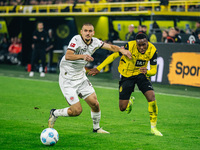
{"points": [[130, 67], [127, 67]]}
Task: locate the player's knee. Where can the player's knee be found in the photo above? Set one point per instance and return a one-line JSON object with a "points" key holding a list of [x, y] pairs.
{"points": [[151, 98], [95, 106], [122, 107], [150, 95], [75, 111]]}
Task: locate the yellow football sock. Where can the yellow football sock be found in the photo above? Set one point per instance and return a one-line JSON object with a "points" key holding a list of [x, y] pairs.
{"points": [[153, 112]]}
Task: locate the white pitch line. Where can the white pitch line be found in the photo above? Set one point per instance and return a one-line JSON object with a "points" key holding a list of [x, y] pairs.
{"points": [[155, 92], [111, 88]]}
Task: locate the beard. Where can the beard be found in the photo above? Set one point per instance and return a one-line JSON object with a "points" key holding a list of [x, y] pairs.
{"points": [[87, 40]]}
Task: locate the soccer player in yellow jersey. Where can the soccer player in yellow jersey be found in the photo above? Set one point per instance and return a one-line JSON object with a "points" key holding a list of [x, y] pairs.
{"points": [[134, 71]]}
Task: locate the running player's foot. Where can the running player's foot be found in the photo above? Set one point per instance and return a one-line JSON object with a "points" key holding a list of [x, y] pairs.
{"points": [[100, 130], [156, 132], [130, 104], [52, 118]]}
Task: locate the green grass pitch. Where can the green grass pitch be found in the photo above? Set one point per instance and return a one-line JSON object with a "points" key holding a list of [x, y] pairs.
{"points": [[25, 105]]}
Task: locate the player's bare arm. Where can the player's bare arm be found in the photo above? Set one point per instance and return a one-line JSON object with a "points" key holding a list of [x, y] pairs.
{"points": [[115, 48], [71, 56]]}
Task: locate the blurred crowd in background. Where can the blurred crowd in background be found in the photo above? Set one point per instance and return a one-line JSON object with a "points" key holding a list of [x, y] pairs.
{"points": [[11, 47], [49, 2]]}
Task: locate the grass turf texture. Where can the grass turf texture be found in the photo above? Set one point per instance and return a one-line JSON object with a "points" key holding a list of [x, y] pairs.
{"points": [[25, 105]]}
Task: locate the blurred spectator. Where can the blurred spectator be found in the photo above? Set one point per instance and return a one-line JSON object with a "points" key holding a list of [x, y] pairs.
{"points": [[4, 49], [164, 36], [14, 50], [16, 46], [33, 2], [187, 29], [197, 28], [142, 29], [164, 4], [198, 38], [28, 9], [67, 9], [139, 29], [177, 35], [39, 49], [131, 34], [113, 34], [171, 36]]}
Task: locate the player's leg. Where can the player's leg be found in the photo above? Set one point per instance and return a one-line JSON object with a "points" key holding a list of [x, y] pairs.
{"points": [[87, 92], [130, 104], [123, 104], [147, 89], [33, 61], [153, 111], [126, 87], [95, 112], [73, 110], [68, 89], [43, 60]]}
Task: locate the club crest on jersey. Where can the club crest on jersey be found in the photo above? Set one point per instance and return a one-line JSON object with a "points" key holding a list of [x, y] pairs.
{"points": [[71, 98], [72, 45]]}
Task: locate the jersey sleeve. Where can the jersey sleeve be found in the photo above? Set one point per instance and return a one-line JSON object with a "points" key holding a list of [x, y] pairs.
{"points": [[73, 44], [153, 65], [100, 43], [108, 60], [153, 60]]}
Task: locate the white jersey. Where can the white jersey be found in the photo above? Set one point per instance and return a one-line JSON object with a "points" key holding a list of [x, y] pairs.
{"points": [[75, 69]]}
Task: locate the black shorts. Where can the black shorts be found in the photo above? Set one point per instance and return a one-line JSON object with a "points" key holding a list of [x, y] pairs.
{"points": [[127, 85]]}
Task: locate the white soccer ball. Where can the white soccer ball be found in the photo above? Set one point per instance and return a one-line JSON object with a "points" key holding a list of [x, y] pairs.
{"points": [[49, 136]]}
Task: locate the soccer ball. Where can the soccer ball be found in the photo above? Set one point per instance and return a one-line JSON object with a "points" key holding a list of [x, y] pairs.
{"points": [[49, 136]]}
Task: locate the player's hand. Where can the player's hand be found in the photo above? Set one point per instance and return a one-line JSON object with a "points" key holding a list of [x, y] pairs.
{"points": [[93, 72], [126, 53], [143, 70], [88, 58]]}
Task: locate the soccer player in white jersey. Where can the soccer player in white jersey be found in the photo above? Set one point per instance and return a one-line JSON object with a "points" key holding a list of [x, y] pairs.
{"points": [[73, 80]]}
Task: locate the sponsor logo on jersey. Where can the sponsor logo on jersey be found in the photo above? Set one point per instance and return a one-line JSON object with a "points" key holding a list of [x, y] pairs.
{"points": [[72, 45], [140, 63]]}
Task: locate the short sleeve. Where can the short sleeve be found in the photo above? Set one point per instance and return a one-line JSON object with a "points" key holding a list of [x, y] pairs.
{"points": [[73, 44], [99, 43], [153, 60]]}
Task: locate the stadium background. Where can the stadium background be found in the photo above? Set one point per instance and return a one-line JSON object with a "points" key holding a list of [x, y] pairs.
{"points": [[66, 21]]}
